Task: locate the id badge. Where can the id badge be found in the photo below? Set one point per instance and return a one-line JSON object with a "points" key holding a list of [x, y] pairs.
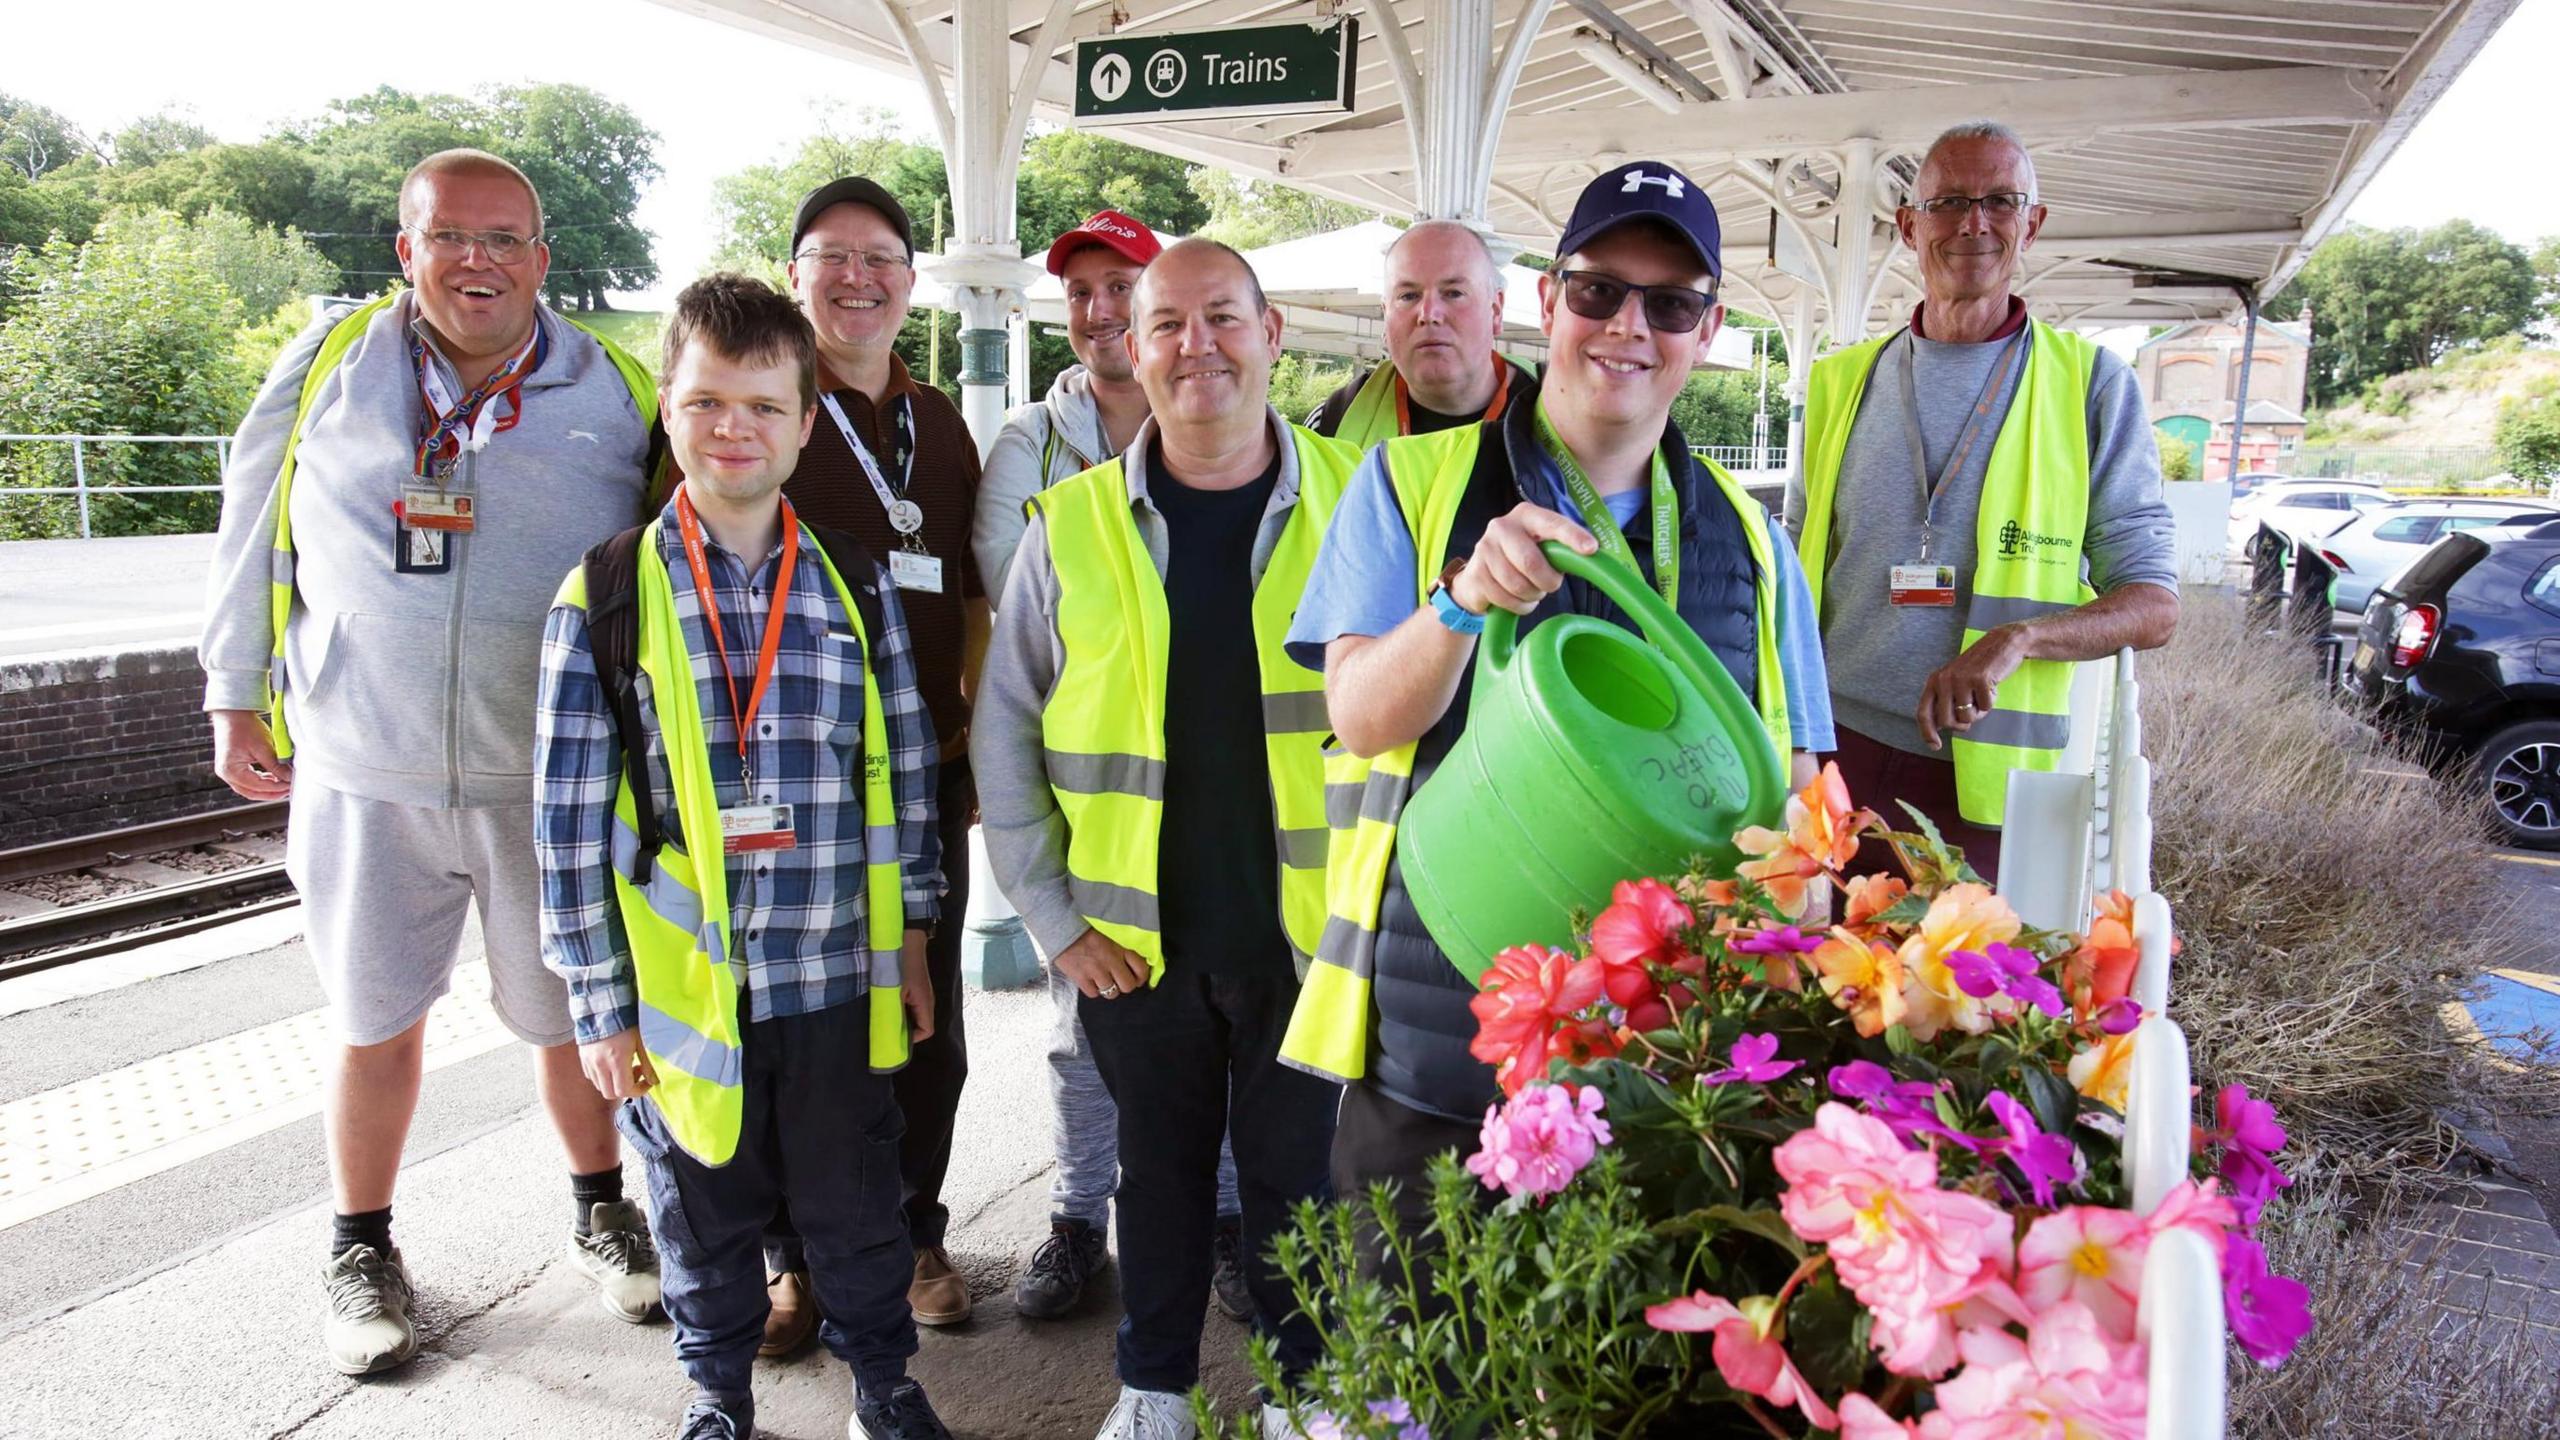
{"points": [[1921, 582], [911, 570], [436, 510], [745, 829], [418, 552]]}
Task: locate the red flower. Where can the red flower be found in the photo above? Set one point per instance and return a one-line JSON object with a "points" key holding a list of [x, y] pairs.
{"points": [[1642, 927], [1530, 1010]]}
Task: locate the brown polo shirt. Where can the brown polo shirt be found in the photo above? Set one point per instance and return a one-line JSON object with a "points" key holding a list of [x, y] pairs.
{"points": [[829, 488]]}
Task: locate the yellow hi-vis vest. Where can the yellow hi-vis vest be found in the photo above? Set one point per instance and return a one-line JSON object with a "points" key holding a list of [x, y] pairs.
{"points": [[1370, 418], [677, 920], [334, 346], [1103, 727], [1363, 799], [2027, 536]]}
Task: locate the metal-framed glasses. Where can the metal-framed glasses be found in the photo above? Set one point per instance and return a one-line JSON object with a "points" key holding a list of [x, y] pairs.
{"points": [[1673, 309], [503, 247], [838, 259], [1999, 205]]}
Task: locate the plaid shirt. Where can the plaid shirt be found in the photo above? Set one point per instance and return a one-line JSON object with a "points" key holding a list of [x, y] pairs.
{"points": [[797, 924]]}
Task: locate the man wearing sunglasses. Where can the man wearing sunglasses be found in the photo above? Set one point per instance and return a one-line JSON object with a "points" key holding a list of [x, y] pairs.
{"points": [[1437, 530], [1444, 306], [1979, 506], [410, 473]]}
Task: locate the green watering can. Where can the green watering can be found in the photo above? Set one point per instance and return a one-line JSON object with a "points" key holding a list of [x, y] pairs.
{"points": [[1590, 756]]}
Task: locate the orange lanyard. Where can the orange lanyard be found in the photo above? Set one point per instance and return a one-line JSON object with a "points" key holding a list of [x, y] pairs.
{"points": [[691, 528], [1404, 398]]}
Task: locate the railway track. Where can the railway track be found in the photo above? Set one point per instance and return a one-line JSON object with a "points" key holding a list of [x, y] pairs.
{"points": [[40, 933]]}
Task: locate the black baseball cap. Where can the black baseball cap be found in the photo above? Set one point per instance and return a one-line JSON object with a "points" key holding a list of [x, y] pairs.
{"points": [[1647, 190], [854, 190]]}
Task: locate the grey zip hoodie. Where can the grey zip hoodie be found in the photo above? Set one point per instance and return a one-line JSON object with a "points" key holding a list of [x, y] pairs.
{"points": [[416, 689], [1023, 462]]}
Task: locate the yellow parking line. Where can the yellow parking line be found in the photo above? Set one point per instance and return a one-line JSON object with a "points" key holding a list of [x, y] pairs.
{"points": [[2547, 984], [2531, 860]]}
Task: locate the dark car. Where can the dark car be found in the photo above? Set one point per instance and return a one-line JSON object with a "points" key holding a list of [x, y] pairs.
{"points": [[2460, 653]]}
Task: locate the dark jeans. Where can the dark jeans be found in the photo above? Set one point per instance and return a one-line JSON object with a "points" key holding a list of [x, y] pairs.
{"points": [[928, 1088], [1184, 1061], [1378, 1139], [1880, 778], [821, 1130]]}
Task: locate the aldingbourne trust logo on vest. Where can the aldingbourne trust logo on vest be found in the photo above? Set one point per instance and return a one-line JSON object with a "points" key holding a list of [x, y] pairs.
{"points": [[2017, 540]]}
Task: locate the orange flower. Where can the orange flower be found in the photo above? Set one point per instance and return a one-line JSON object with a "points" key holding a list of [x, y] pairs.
{"points": [[1869, 896], [2104, 1071], [1965, 916], [1821, 837], [2100, 972], [1709, 894], [1863, 977]]}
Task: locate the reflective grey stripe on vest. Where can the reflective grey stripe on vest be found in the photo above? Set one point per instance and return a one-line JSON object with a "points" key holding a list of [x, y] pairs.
{"points": [[1381, 799], [673, 1042], [1304, 849], [1347, 944], [885, 969], [1084, 774], [1119, 904], [1987, 612], [1294, 712], [280, 566], [2024, 729], [666, 896], [275, 672]]}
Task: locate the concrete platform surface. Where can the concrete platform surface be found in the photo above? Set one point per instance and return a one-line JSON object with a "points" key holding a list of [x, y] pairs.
{"points": [[86, 597]]}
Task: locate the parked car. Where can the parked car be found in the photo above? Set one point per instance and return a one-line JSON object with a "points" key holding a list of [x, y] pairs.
{"points": [[2302, 507], [2375, 542], [2251, 482], [2460, 652]]}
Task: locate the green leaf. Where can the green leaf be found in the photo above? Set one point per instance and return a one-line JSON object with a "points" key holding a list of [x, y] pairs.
{"points": [[2051, 1097], [1827, 1333], [1768, 1224]]}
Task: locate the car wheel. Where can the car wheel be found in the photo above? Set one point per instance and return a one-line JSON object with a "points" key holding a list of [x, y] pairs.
{"points": [[2520, 768]]}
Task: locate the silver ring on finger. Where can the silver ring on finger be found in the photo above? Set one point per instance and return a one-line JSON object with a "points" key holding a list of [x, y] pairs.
{"points": [[1110, 992]]}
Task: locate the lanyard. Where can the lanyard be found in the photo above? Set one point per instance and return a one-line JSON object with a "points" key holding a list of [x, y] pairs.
{"points": [[441, 439], [1604, 527], [905, 516], [1493, 411], [691, 528], [1965, 438]]}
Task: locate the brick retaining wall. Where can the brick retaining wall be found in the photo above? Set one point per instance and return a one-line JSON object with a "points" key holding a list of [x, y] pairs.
{"points": [[93, 743]]}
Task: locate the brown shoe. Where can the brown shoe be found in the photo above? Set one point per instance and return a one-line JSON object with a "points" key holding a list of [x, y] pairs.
{"points": [[939, 1296], [794, 1316]]}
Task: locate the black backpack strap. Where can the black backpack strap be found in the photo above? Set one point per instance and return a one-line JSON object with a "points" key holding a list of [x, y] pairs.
{"points": [[613, 635], [861, 575]]}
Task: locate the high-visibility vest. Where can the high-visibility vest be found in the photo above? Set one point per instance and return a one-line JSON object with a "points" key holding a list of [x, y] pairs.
{"points": [[1102, 729], [676, 919], [2028, 534], [334, 346], [1370, 418], [1364, 798]]}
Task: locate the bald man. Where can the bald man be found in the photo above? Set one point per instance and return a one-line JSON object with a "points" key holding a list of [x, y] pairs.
{"points": [[1444, 307]]}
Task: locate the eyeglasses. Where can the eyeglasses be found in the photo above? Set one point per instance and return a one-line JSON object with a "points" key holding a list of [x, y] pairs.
{"points": [[838, 259], [1674, 309], [2000, 205], [503, 247]]}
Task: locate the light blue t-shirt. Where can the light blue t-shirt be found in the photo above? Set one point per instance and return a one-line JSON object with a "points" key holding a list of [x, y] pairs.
{"points": [[1362, 584]]}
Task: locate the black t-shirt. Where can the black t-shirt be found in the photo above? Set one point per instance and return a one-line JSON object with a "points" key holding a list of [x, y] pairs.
{"points": [[1218, 865]]}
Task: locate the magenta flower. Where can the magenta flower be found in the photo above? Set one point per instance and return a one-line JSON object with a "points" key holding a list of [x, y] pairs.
{"points": [[2004, 969], [2045, 1160], [1775, 940], [2247, 1121], [1751, 1062], [1536, 1142], [2269, 1314], [1323, 1425], [1909, 1106], [2250, 1135], [2120, 1016]]}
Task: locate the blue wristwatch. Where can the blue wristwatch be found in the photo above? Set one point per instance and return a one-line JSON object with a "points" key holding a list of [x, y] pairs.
{"points": [[1452, 614]]}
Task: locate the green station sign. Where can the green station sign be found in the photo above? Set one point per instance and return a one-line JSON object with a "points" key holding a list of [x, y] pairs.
{"points": [[1286, 69]]}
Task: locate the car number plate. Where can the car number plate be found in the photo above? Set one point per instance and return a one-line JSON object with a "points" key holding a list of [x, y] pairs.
{"points": [[2364, 655]]}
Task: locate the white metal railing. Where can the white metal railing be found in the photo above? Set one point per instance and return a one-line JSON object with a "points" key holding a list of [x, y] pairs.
{"points": [[80, 485], [1747, 457]]}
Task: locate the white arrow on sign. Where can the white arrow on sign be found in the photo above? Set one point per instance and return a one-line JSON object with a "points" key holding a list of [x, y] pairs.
{"points": [[1110, 78]]}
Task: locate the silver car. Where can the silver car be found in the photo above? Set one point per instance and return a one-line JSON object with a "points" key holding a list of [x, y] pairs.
{"points": [[2373, 544]]}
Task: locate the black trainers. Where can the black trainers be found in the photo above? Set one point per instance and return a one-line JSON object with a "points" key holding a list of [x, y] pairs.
{"points": [[1055, 1279], [900, 1413], [1226, 1269], [711, 1418]]}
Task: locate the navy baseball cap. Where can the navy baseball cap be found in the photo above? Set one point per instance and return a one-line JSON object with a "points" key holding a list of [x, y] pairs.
{"points": [[1647, 190]]}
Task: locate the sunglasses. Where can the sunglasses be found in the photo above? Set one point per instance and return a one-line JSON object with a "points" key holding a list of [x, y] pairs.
{"points": [[1675, 309]]}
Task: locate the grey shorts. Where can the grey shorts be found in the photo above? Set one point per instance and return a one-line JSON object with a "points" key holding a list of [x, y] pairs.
{"points": [[384, 890]]}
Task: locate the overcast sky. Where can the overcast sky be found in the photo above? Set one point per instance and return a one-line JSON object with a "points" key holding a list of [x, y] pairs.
{"points": [[721, 98]]}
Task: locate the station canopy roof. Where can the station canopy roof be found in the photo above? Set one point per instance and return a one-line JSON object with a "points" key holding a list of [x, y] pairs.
{"points": [[2181, 144]]}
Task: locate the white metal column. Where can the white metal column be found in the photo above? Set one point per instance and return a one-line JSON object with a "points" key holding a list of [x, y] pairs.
{"points": [[1455, 97]]}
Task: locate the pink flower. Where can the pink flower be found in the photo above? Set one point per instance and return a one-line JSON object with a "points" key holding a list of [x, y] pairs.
{"points": [[1894, 1236], [2269, 1313], [1922, 1342], [2089, 1256], [1748, 1359], [2193, 1205], [1863, 1419], [2066, 1379], [1751, 1062], [1535, 1143]]}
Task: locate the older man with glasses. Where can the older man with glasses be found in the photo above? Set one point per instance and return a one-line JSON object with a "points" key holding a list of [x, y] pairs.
{"points": [[1979, 506], [1595, 462]]}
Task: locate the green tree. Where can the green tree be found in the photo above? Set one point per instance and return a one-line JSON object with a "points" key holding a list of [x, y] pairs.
{"points": [[1715, 407], [2529, 433], [2388, 301], [155, 138], [267, 269], [2546, 279], [269, 182], [1066, 175], [1249, 214], [591, 158], [34, 140], [2177, 457]]}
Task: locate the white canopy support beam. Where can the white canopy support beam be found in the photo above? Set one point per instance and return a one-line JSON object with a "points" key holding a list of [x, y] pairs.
{"points": [[2086, 234]]}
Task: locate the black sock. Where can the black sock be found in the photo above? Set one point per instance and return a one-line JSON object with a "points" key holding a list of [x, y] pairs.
{"points": [[601, 1188], [365, 1227]]}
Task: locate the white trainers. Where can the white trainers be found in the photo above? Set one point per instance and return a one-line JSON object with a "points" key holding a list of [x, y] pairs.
{"points": [[1278, 1424], [616, 1254], [1149, 1415], [369, 1296]]}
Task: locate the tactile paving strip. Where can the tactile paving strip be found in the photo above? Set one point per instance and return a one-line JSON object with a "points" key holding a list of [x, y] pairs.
{"points": [[67, 1144]]}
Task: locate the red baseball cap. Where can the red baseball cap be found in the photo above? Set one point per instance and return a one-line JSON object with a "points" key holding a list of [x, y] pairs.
{"points": [[1131, 238]]}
